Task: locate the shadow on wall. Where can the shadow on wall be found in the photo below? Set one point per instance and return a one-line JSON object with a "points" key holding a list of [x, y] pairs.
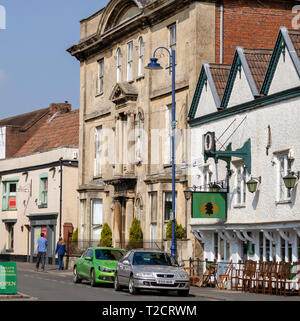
{"points": [[255, 199]]}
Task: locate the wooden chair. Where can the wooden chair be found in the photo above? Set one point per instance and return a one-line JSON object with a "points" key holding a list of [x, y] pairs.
{"points": [[261, 279], [225, 277], [272, 277], [293, 284], [210, 275]]}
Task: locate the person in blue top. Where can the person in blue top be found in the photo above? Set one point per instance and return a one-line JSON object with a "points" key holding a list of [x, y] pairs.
{"points": [[60, 251], [41, 248]]}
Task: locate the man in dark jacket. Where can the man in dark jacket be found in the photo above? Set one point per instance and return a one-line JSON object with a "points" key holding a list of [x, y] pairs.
{"points": [[60, 251]]}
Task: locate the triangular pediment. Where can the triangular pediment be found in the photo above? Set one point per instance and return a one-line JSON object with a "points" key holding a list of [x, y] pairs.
{"points": [[123, 92]]}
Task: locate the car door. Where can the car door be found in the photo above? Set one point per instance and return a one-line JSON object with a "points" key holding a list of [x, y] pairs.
{"points": [[127, 268], [87, 264], [121, 269], [79, 263]]}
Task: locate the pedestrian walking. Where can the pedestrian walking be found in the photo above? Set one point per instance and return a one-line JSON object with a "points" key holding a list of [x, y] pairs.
{"points": [[41, 249], [60, 251]]}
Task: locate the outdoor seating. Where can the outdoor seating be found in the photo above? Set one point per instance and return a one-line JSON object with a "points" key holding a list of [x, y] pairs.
{"points": [[210, 275], [223, 278]]}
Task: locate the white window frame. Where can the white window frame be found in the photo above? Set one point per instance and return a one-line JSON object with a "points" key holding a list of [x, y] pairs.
{"points": [[119, 65], [101, 76], [206, 178], [98, 151], [283, 193], [139, 138], [130, 61], [96, 222], [240, 185], [167, 150], [141, 57], [172, 36], [166, 221], [153, 223]]}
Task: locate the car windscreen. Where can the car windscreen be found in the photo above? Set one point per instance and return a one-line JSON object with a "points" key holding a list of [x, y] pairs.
{"points": [[154, 258], [108, 254]]}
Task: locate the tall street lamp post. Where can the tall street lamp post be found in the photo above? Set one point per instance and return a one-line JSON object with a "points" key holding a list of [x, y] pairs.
{"points": [[154, 65]]}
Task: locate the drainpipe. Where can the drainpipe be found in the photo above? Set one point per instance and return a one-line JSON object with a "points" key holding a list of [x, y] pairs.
{"points": [[221, 9], [60, 195]]}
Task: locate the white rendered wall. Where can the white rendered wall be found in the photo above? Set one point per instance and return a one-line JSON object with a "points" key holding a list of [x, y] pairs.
{"points": [[285, 75], [241, 91]]}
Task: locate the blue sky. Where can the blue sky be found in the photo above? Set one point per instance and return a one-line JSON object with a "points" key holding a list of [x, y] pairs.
{"points": [[35, 69]]}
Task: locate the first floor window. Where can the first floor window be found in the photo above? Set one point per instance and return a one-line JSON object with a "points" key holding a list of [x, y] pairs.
{"points": [[206, 179], [97, 218], [283, 167], [130, 61], [43, 190], [98, 151], [240, 185], [101, 76], [9, 195]]}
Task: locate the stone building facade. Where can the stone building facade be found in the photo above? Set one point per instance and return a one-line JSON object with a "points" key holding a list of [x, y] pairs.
{"points": [[125, 148]]}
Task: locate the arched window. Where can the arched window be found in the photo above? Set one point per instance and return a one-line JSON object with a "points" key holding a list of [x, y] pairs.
{"points": [[141, 57], [119, 65]]}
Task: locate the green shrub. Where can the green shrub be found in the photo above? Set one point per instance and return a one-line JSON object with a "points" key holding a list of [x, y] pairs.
{"points": [[135, 234], [75, 236], [106, 236], [180, 233]]}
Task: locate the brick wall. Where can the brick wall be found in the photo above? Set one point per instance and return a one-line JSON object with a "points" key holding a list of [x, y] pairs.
{"points": [[251, 24]]}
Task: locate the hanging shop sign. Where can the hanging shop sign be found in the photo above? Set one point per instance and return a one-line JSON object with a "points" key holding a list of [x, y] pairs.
{"points": [[8, 278], [209, 205]]}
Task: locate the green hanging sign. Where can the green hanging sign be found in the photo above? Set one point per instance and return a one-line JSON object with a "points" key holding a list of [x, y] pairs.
{"points": [[209, 205], [8, 278]]}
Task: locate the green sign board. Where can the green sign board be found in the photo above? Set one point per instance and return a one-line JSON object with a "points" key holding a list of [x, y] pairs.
{"points": [[8, 278], [209, 205]]}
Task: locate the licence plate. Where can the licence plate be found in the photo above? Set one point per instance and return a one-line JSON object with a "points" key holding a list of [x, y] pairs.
{"points": [[163, 281]]}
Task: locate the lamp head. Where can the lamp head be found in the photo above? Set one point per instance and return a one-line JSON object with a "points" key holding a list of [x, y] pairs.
{"points": [[154, 65]]}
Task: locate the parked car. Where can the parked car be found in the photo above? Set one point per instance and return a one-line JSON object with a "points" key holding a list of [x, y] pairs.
{"points": [[98, 265], [151, 270]]}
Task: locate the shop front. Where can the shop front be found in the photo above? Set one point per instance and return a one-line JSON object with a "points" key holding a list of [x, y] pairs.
{"points": [[43, 223]]}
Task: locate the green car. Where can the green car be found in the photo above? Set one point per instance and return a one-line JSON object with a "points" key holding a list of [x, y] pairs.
{"points": [[98, 265]]}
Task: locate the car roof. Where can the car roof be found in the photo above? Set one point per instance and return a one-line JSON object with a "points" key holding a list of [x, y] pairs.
{"points": [[149, 250], [106, 248]]}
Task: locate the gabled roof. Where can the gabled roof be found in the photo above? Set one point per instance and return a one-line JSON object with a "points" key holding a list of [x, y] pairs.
{"points": [[61, 131], [254, 63], [216, 75], [25, 121], [289, 39]]}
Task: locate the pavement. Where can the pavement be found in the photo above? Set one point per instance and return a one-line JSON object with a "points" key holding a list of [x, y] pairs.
{"points": [[201, 292]]}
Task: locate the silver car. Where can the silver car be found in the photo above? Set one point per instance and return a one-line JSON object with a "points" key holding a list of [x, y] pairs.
{"points": [[151, 270]]}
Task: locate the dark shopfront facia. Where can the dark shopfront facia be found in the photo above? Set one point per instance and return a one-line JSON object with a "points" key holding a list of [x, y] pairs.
{"points": [[45, 223]]}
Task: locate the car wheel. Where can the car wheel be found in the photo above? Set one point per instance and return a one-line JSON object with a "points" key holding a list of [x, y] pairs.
{"points": [[132, 289], [93, 281], [117, 286], [183, 292], [76, 278]]}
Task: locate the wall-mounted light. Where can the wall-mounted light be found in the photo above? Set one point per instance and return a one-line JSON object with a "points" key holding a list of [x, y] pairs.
{"points": [[253, 183], [188, 193], [291, 179]]}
